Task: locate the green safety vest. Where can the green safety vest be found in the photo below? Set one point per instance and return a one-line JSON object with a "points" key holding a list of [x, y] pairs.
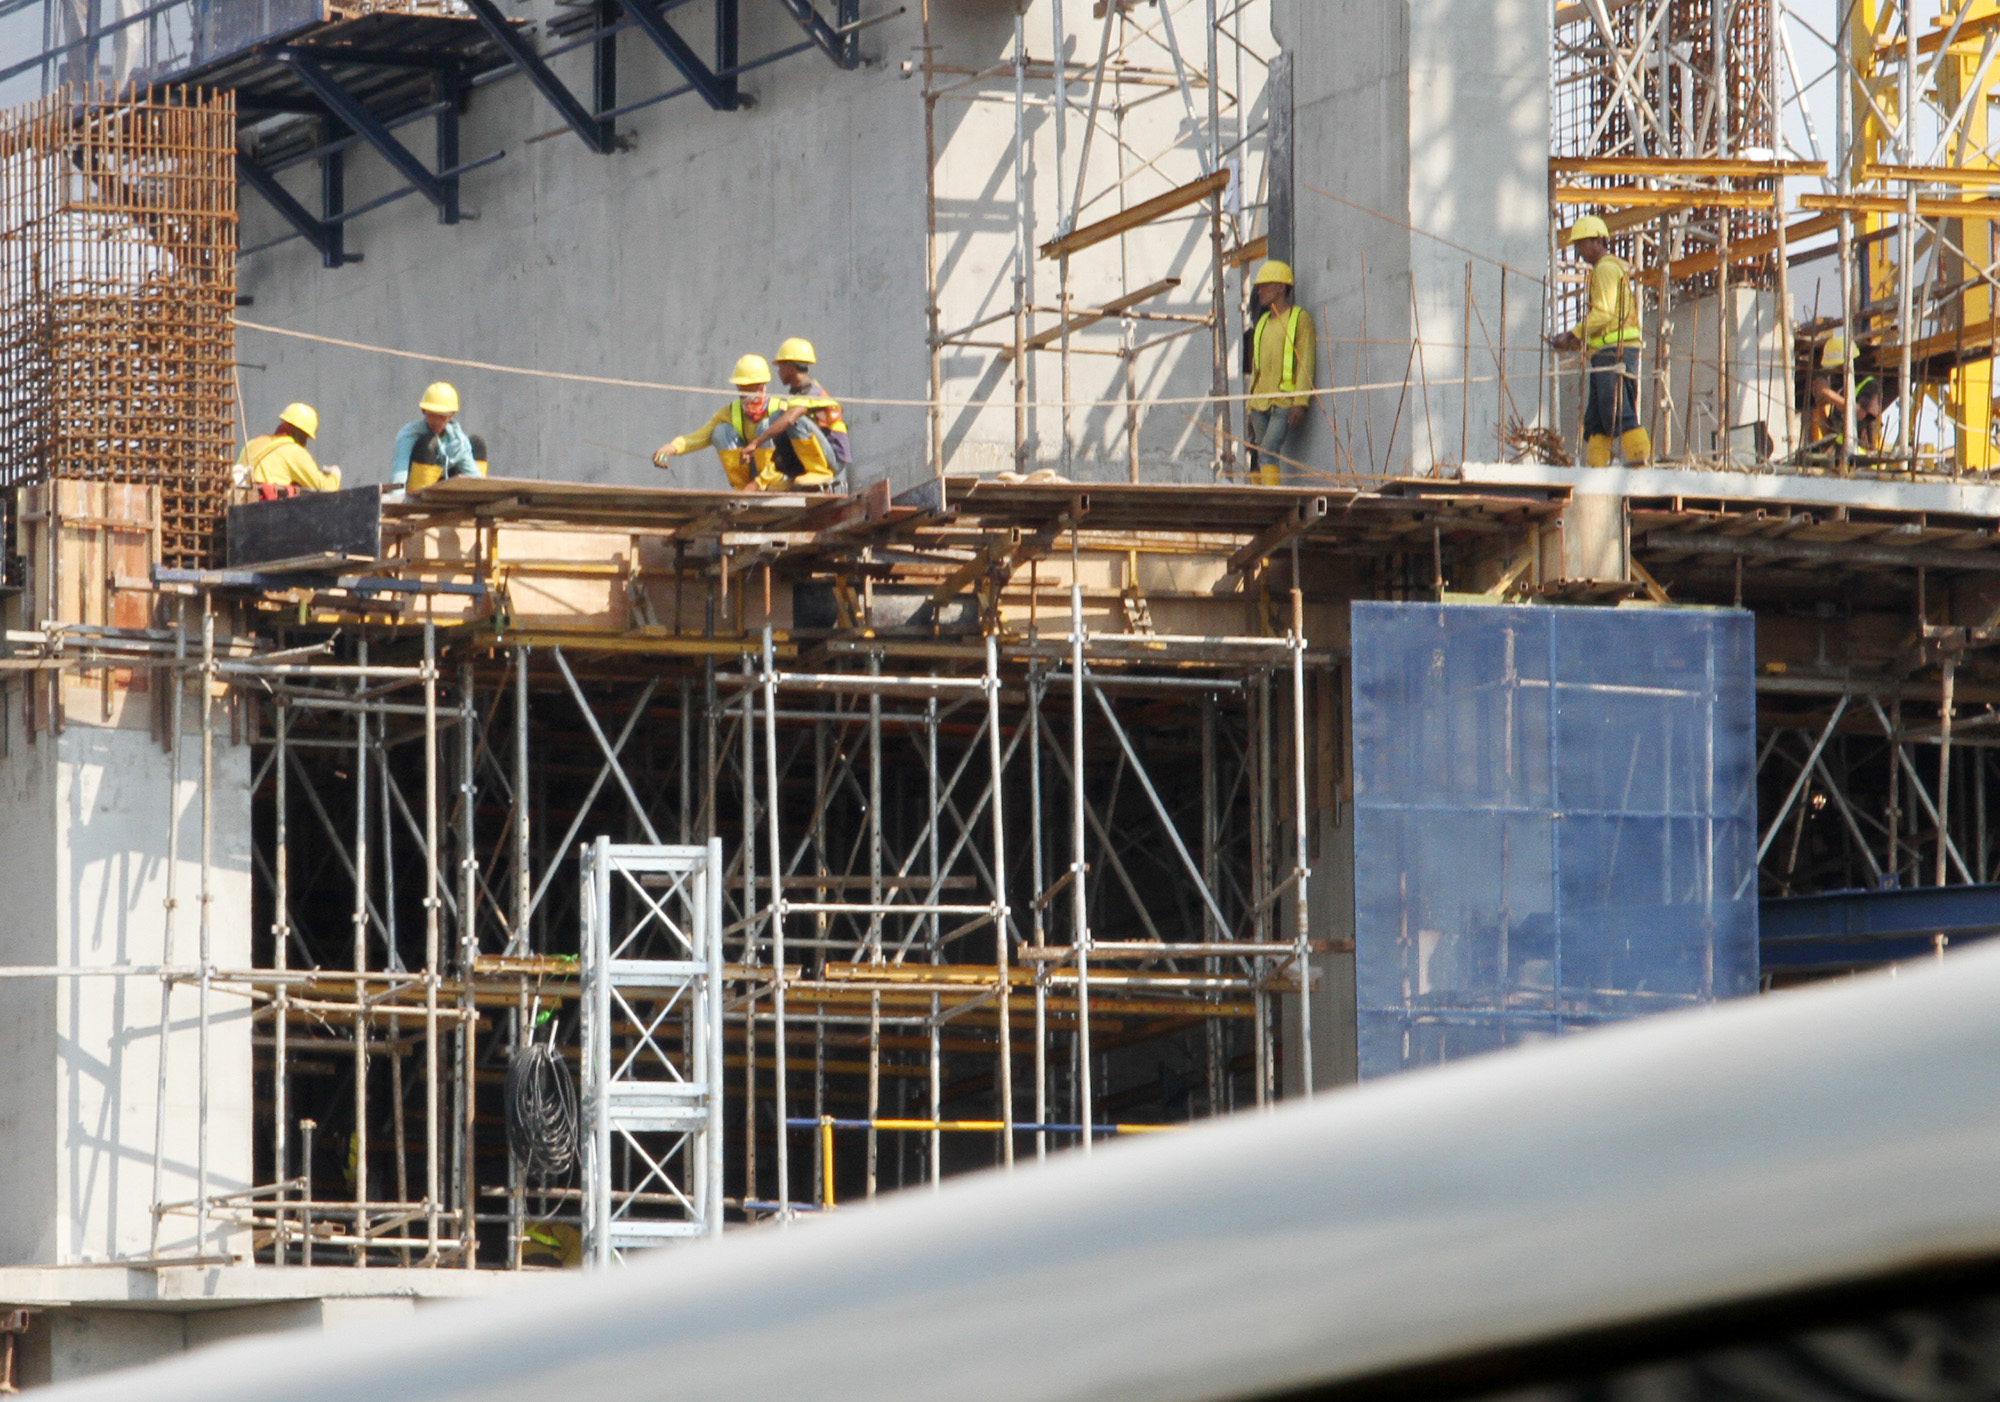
{"points": [[1287, 381]]}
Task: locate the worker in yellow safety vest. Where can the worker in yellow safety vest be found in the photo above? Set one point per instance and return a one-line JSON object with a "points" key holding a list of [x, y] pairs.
{"points": [[278, 464], [1611, 335], [1829, 405], [806, 430], [742, 436], [1279, 359], [436, 447]]}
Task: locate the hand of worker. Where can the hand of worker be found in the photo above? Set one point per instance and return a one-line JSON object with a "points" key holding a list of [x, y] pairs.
{"points": [[1566, 341], [663, 457], [1295, 417]]}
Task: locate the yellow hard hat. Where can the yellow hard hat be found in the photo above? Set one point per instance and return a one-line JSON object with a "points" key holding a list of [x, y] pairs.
{"points": [[1835, 352], [439, 398], [302, 417], [1588, 227], [1273, 271], [798, 349], [751, 372]]}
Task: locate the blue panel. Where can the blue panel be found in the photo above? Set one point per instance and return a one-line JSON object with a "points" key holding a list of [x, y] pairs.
{"points": [[1555, 821]]}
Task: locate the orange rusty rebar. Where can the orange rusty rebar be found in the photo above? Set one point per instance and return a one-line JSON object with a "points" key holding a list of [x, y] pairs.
{"points": [[118, 283]]}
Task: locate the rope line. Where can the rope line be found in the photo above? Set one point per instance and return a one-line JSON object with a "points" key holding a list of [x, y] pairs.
{"points": [[708, 391]]}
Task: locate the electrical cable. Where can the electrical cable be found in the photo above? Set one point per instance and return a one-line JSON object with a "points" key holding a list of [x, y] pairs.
{"points": [[541, 1111]]}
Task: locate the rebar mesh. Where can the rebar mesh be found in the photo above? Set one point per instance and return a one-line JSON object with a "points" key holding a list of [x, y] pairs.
{"points": [[117, 297], [1654, 94]]}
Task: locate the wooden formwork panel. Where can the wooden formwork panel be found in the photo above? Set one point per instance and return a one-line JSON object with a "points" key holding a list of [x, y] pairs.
{"points": [[90, 548]]}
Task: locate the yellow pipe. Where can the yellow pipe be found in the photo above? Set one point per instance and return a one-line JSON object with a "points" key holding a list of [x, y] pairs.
{"points": [[991, 1126], [826, 1161]]}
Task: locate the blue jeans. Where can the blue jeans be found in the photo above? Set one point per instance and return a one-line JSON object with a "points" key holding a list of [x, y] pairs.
{"points": [[1269, 428]]}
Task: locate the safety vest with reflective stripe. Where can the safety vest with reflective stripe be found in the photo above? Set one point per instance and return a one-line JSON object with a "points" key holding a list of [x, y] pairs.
{"points": [[1287, 381]]}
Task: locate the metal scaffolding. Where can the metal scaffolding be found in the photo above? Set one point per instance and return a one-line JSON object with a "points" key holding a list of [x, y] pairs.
{"points": [[1804, 204], [963, 888], [1116, 168]]}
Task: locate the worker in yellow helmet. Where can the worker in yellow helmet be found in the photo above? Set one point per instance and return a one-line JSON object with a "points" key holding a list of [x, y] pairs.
{"points": [[1828, 406], [1278, 358], [436, 447], [1610, 333], [806, 429], [736, 432], [279, 464]]}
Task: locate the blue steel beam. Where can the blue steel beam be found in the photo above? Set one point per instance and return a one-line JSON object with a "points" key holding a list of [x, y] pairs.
{"points": [[595, 130], [718, 92], [1858, 929], [726, 34], [441, 192], [322, 235], [830, 41]]}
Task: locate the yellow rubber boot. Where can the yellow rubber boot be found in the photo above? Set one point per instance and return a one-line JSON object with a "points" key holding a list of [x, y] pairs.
{"points": [[736, 466], [814, 470], [1636, 446], [1597, 450], [1268, 473], [769, 479]]}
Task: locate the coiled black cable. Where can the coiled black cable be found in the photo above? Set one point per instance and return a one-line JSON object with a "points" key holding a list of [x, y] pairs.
{"points": [[541, 1112]]}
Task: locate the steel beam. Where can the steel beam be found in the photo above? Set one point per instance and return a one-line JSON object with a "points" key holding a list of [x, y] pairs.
{"points": [[320, 233], [829, 40], [442, 192], [717, 91], [595, 130], [1852, 929], [1826, 552]]}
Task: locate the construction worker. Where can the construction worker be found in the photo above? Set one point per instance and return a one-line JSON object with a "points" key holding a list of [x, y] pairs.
{"points": [[816, 458], [1280, 366], [1610, 333], [1829, 403], [744, 435], [279, 464], [435, 447]]}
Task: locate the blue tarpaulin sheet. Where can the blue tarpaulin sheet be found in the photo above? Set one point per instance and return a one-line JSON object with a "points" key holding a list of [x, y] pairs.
{"points": [[1555, 821]]}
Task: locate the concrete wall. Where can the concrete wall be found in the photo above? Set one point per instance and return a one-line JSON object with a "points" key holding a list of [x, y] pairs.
{"points": [[67, 1344], [1421, 140], [30, 1127], [83, 840], [1700, 400], [719, 233]]}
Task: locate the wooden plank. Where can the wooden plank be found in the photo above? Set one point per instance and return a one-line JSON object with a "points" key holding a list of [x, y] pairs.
{"points": [[1760, 247], [1933, 175], [1576, 11], [1251, 252], [1928, 208], [1722, 168], [1139, 214], [1972, 29], [1824, 552], [1634, 197], [1975, 342], [1296, 522], [1091, 318]]}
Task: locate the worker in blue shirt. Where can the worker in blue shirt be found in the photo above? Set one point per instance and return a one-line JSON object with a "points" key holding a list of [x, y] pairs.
{"points": [[434, 447]]}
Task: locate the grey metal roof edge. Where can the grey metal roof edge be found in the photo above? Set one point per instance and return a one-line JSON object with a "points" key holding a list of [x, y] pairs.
{"points": [[1741, 1152]]}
